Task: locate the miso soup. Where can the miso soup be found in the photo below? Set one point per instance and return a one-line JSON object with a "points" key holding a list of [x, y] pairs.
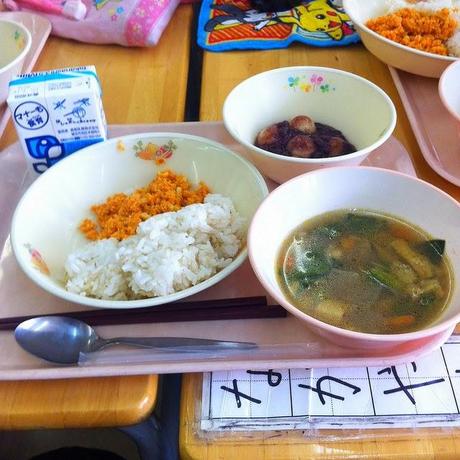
{"points": [[364, 271]]}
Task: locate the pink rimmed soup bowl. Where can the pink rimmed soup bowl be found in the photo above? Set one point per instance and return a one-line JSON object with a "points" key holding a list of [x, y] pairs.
{"points": [[449, 90], [387, 192]]}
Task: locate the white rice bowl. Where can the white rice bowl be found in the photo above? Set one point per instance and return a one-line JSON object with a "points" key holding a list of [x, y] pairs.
{"points": [[394, 54], [428, 6], [170, 252], [43, 236], [431, 6]]}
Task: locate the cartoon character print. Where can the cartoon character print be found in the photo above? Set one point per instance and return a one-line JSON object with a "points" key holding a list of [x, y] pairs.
{"points": [[235, 16], [315, 16], [116, 10], [99, 4], [320, 16]]}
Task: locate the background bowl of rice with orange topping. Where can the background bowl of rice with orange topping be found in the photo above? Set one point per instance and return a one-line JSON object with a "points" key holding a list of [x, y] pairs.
{"points": [[418, 36], [137, 221]]}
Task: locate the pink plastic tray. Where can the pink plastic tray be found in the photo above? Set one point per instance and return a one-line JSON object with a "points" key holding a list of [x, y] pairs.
{"points": [[284, 342], [40, 28], [436, 131]]}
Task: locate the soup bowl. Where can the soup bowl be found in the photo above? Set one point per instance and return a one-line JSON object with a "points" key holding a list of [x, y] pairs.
{"points": [[449, 90], [347, 102], [15, 42], [391, 193], [45, 225]]}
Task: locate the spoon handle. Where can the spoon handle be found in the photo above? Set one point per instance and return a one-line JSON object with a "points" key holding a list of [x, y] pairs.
{"points": [[178, 342]]}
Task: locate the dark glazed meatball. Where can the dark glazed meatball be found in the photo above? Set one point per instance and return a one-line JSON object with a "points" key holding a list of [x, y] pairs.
{"points": [[268, 135], [303, 123], [274, 138], [301, 146], [303, 138], [336, 146]]}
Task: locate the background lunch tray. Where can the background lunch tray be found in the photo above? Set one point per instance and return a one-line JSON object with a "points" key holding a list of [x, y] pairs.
{"points": [[436, 130], [285, 342], [39, 28]]}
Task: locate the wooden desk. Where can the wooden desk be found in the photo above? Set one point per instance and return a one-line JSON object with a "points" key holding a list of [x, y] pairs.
{"points": [[142, 85], [221, 72], [85, 403]]}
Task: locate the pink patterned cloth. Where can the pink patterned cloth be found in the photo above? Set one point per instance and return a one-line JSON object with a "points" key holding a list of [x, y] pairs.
{"points": [[125, 22]]}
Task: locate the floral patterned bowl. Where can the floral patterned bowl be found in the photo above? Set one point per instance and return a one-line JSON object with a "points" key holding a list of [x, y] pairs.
{"points": [[45, 223], [15, 42], [347, 102]]}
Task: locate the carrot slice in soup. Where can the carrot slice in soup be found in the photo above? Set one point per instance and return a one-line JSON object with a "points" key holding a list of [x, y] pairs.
{"points": [[401, 321]]}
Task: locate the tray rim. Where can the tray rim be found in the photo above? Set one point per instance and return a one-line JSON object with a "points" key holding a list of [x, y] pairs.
{"points": [[110, 370], [420, 135]]}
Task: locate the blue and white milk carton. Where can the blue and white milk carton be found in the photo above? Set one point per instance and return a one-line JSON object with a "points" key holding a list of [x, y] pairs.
{"points": [[57, 113]]}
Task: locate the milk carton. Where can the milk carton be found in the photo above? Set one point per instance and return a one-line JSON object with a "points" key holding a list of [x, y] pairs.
{"points": [[56, 113]]}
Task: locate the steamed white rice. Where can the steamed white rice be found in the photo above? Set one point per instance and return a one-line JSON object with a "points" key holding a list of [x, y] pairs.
{"points": [[431, 6], [453, 44], [170, 252]]}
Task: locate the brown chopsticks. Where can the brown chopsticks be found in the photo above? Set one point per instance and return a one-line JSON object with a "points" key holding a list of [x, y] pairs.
{"points": [[207, 310]]}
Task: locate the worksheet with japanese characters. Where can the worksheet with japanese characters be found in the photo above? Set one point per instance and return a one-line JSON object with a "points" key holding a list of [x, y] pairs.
{"points": [[425, 393]]}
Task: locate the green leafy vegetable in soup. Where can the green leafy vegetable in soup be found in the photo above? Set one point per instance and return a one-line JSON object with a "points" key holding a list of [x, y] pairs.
{"points": [[366, 272]]}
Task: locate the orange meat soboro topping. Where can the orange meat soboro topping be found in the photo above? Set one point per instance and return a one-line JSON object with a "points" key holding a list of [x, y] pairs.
{"points": [[416, 29], [120, 215]]}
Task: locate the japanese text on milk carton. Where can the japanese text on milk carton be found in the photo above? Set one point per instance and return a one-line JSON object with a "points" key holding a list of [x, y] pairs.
{"points": [[57, 113]]}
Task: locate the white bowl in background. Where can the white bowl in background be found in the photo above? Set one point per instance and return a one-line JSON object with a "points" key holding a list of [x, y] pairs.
{"points": [[392, 53], [45, 222], [15, 42], [449, 89], [355, 106], [389, 192]]}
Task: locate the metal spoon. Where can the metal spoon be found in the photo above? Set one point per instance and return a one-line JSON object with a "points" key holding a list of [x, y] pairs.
{"points": [[61, 340]]}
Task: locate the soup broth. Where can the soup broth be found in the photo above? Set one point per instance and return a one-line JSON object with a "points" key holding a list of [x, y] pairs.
{"points": [[366, 272]]}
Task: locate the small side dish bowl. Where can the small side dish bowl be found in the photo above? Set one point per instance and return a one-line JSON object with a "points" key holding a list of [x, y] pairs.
{"points": [[383, 191], [394, 54], [449, 89], [45, 224], [355, 106], [16, 42]]}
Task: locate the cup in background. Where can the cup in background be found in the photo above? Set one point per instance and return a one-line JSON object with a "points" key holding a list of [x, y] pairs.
{"points": [[15, 42]]}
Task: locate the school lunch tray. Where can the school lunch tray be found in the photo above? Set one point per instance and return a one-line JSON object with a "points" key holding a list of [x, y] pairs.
{"points": [[283, 342], [436, 130]]}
